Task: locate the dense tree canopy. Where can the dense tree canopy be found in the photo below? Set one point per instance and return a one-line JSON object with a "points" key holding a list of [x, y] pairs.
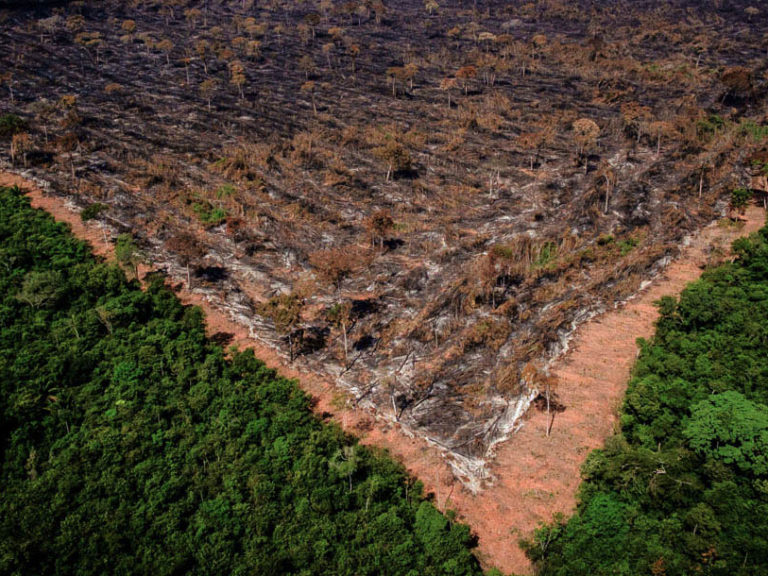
{"points": [[684, 488], [130, 444]]}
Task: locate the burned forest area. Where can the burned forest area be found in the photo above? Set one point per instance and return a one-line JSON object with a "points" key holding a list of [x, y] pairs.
{"points": [[418, 200]]}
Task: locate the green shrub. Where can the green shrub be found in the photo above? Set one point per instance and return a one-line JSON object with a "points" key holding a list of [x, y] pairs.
{"points": [[740, 197], [627, 245], [11, 124], [547, 255], [755, 131], [209, 214], [92, 211]]}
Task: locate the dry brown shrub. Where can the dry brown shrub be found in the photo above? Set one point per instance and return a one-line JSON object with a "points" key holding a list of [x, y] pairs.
{"points": [[488, 333], [507, 379], [332, 265], [456, 140], [161, 171], [246, 161]]}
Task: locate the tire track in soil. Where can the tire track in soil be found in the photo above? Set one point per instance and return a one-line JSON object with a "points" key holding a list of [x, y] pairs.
{"points": [[536, 476]]}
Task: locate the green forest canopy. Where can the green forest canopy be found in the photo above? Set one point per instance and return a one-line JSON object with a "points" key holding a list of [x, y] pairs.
{"points": [[683, 489], [130, 444]]}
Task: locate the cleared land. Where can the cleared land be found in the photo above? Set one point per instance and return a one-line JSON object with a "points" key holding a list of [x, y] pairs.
{"points": [[416, 202]]}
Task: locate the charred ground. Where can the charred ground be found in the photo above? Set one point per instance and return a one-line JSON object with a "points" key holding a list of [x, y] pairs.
{"points": [[419, 200]]}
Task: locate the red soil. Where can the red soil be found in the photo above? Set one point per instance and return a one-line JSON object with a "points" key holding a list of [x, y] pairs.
{"points": [[537, 476]]}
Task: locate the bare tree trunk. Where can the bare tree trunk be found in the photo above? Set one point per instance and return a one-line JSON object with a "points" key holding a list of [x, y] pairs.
{"points": [[290, 347], [346, 356], [394, 406], [549, 421]]}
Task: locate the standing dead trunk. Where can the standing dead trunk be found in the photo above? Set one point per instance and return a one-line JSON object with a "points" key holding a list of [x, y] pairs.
{"points": [[346, 353], [549, 420], [290, 347], [394, 405]]}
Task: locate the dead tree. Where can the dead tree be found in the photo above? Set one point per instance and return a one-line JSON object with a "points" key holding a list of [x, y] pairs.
{"points": [[187, 247]]}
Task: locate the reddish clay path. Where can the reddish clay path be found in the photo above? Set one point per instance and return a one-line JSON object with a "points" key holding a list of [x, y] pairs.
{"points": [[537, 476]]}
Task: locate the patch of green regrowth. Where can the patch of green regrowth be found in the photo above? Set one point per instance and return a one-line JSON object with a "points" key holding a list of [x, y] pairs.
{"points": [[209, 214], [92, 211], [10, 124]]}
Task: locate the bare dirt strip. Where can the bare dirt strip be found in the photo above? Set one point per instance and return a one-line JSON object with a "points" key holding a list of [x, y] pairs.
{"points": [[536, 476]]}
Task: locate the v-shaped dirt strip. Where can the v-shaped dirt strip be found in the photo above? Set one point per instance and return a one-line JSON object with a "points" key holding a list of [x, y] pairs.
{"points": [[537, 476]]}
